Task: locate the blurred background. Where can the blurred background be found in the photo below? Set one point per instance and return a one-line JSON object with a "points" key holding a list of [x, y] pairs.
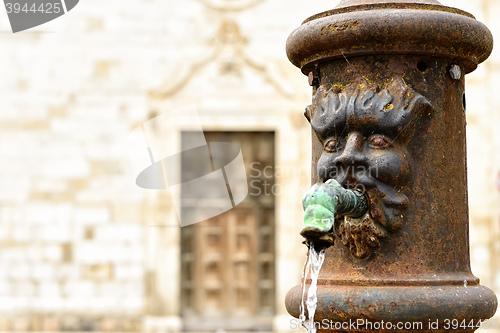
{"points": [[82, 248]]}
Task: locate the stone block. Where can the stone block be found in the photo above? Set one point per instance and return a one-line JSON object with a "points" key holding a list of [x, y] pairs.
{"points": [[54, 233], [21, 324], [92, 215], [23, 288], [133, 289], [120, 232], [43, 271], [51, 324], [109, 325], [97, 272], [79, 288], [129, 272], [23, 233], [162, 324], [132, 304], [51, 304], [19, 271], [67, 271], [34, 253], [4, 324], [119, 253], [5, 288], [110, 289], [53, 252], [49, 290], [91, 253]]}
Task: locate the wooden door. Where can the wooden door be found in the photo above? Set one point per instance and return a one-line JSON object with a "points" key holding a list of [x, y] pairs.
{"points": [[227, 262]]}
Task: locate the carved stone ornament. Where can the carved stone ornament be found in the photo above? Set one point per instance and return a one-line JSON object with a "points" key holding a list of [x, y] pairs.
{"points": [[364, 131]]}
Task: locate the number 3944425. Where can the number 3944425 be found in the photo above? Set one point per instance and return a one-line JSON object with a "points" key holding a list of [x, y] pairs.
{"points": [[46, 8]]}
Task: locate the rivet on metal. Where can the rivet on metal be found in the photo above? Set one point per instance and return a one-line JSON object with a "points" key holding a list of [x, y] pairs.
{"points": [[455, 72], [314, 77]]}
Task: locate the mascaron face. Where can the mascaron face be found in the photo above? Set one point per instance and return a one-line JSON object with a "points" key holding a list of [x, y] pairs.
{"points": [[364, 132]]}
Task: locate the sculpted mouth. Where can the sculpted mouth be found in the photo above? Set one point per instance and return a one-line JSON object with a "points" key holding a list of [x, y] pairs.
{"points": [[382, 213], [364, 234], [360, 180], [349, 182], [385, 206], [371, 186]]}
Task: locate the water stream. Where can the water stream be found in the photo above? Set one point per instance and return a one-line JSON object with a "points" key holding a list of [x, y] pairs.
{"points": [[305, 270], [313, 264]]}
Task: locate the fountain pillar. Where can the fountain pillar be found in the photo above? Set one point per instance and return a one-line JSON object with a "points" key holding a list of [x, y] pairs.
{"points": [[388, 119]]}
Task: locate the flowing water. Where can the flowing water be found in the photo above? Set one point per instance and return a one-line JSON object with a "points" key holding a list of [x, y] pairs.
{"points": [[302, 316], [313, 264]]}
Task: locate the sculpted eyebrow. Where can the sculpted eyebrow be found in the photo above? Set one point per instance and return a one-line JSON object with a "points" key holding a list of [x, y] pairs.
{"points": [[366, 108], [326, 127], [329, 118], [367, 126]]}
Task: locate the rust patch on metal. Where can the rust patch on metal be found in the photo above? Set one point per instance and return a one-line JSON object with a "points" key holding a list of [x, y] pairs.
{"points": [[361, 236], [340, 26]]}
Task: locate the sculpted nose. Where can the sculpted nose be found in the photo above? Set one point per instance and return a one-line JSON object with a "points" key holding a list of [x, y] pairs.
{"points": [[352, 153]]}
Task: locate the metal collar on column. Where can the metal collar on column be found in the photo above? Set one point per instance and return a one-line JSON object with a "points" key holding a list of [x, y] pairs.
{"points": [[364, 27]]}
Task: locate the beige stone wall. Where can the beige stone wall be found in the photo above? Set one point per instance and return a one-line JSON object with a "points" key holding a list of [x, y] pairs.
{"points": [[77, 246], [79, 250]]}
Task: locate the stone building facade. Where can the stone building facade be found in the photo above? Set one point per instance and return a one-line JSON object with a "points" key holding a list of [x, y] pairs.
{"points": [[81, 246]]}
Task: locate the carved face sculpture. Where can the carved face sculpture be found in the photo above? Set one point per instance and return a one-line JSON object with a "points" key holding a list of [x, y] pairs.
{"points": [[364, 131]]}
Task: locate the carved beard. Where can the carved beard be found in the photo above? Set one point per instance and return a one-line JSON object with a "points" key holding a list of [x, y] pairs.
{"points": [[386, 205]]}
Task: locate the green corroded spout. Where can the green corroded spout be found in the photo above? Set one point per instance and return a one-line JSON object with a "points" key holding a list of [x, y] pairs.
{"points": [[322, 203]]}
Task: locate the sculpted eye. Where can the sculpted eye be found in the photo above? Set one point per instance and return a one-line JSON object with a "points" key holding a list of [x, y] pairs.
{"points": [[379, 141], [332, 145]]}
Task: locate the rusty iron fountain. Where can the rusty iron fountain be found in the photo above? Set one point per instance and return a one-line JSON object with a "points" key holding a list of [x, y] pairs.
{"points": [[388, 128]]}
